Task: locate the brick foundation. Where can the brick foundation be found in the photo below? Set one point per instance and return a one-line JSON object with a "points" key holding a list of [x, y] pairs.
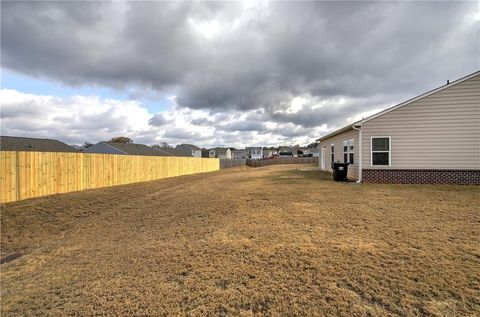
{"points": [[404, 176]]}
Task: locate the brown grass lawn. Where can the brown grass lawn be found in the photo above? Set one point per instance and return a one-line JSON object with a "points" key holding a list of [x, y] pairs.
{"points": [[273, 241]]}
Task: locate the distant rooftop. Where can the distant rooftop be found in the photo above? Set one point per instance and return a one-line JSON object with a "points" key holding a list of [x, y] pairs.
{"points": [[137, 149], [190, 146], [13, 143]]}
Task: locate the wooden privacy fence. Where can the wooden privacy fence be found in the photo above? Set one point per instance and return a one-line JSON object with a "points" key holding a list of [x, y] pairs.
{"points": [[32, 174], [227, 163], [283, 160]]}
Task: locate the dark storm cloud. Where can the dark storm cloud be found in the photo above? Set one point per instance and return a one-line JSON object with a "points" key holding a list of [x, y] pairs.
{"points": [[275, 51]]}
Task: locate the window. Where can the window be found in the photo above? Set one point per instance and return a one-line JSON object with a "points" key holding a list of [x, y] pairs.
{"points": [[381, 151], [332, 152], [348, 149]]}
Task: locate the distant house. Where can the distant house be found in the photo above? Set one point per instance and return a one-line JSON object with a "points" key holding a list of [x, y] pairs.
{"points": [[212, 153], [431, 138], [126, 149], [299, 152], [269, 152], [224, 153], [311, 151], [255, 153], [221, 153], [194, 150], [239, 154], [12, 143], [174, 151], [285, 152], [205, 152]]}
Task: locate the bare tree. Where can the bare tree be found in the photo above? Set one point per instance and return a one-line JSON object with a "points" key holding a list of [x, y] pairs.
{"points": [[85, 146], [162, 145], [121, 139]]}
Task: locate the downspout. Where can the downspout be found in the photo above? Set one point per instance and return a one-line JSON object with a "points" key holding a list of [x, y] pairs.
{"points": [[359, 151]]}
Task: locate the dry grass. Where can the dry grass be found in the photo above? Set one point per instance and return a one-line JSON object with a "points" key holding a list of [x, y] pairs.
{"points": [[269, 241]]}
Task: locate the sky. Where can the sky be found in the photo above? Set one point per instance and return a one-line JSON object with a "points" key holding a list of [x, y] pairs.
{"points": [[222, 73]]}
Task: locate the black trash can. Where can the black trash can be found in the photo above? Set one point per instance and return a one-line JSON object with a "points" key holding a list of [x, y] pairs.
{"points": [[340, 171]]}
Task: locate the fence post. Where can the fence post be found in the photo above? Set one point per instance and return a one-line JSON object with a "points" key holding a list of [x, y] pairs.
{"points": [[17, 176]]}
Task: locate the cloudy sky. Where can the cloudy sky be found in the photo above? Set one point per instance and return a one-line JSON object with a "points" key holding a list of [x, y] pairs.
{"points": [[222, 73]]}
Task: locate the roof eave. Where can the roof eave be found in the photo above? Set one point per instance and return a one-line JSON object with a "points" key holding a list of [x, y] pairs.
{"points": [[341, 130], [426, 94], [407, 102]]}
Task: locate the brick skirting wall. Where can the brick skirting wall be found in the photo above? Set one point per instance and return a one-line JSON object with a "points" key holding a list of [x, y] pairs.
{"points": [[407, 176]]}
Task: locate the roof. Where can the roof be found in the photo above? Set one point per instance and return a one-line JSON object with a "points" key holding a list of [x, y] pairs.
{"points": [[219, 150], [174, 151], [136, 149], [12, 143], [407, 102], [190, 146], [341, 130]]}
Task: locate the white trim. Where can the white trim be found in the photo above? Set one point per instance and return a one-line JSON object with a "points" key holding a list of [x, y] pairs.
{"points": [[349, 151], [323, 159], [389, 150], [360, 154]]}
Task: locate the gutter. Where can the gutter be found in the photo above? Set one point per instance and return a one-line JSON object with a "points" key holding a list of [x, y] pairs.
{"points": [[359, 151]]}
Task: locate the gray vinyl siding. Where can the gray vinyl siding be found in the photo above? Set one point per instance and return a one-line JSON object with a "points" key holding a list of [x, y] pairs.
{"points": [[197, 153], [440, 131], [338, 141]]}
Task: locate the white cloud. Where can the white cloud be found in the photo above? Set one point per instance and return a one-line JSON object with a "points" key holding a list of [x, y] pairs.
{"points": [[78, 119], [75, 119]]}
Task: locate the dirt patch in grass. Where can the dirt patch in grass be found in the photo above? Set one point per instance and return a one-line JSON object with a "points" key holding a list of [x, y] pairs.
{"points": [[276, 240]]}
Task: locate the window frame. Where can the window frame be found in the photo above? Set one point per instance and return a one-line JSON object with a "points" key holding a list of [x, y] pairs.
{"points": [[389, 150], [349, 150], [332, 153]]}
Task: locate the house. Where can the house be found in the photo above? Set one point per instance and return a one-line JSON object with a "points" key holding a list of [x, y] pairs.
{"points": [[194, 150], [298, 152], [255, 153], [105, 147], [221, 153], [12, 143], [175, 151], [431, 138], [239, 154], [269, 152], [308, 152], [205, 152], [285, 152]]}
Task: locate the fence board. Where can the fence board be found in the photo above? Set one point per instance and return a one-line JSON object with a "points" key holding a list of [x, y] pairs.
{"points": [[282, 160], [32, 174], [227, 163]]}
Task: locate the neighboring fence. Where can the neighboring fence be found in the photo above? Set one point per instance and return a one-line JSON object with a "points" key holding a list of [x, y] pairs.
{"points": [[32, 174], [226, 163], [283, 160]]}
